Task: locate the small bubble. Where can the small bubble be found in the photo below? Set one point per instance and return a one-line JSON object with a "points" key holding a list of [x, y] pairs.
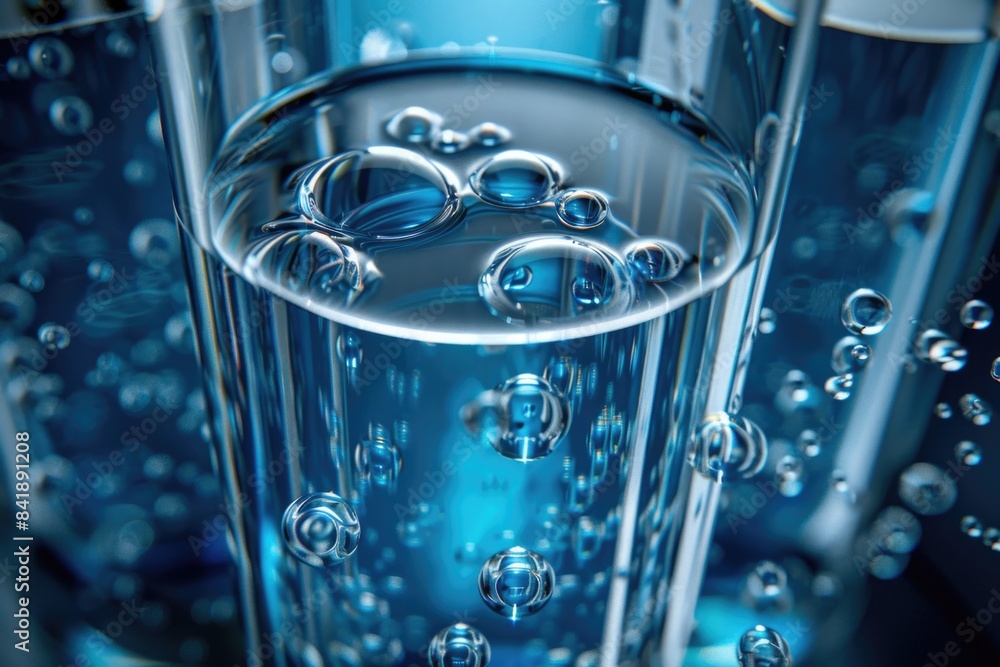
{"points": [[516, 583], [766, 588], [71, 115], [840, 484], [459, 645], [789, 474], [976, 314], [839, 386], [155, 242], [490, 134], [768, 321], [450, 142], [942, 411], [926, 489], [763, 647], [321, 529], [936, 347], [54, 336], [100, 271], [971, 526], [414, 124], [32, 280], [991, 538], [727, 446], [378, 459], [282, 62], [350, 350], [968, 452], [18, 68], [138, 172], [995, 369], [120, 44], [896, 530], [809, 443], [654, 260], [50, 57], [581, 209], [866, 312], [83, 215], [515, 178], [849, 355], [975, 409]]}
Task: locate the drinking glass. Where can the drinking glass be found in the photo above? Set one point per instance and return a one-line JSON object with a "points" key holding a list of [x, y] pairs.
{"points": [[465, 279]]}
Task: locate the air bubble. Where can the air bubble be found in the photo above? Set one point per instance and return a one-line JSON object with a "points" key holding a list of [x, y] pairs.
{"points": [[490, 134], [54, 336], [70, 115], [450, 142], [545, 279], [381, 192], [378, 459], [936, 347], [991, 538], [976, 314], [321, 529], [942, 411], [968, 452], [581, 209], [727, 446], [995, 369], [789, 474], [839, 386], [763, 647], [516, 179], [768, 321], [849, 355], [975, 409], [523, 419], [350, 350], [50, 57], [866, 312], [971, 526], [926, 489], [459, 645], [32, 280], [414, 124], [516, 583], [896, 531], [655, 260], [809, 443], [155, 242], [100, 270], [766, 588]]}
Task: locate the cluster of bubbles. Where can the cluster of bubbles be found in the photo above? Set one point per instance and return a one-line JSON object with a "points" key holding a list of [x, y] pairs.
{"points": [[864, 312], [973, 527]]}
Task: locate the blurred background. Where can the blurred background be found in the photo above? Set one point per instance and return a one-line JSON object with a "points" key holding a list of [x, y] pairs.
{"points": [[129, 563]]}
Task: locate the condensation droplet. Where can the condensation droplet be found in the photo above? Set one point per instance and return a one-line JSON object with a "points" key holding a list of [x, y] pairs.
{"points": [[321, 529], [866, 312], [516, 179], [516, 582], [414, 124], [581, 209], [926, 489], [655, 260]]}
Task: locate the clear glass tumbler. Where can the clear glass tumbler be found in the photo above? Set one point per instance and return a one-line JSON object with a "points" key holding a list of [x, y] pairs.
{"points": [[465, 278]]}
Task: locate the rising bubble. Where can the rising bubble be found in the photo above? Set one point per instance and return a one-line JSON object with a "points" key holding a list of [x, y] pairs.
{"points": [[459, 645], [839, 386], [976, 314], [926, 489], [54, 336], [937, 348], [866, 312], [849, 355], [968, 452], [727, 446], [763, 647], [975, 409], [516, 583], [321, 529], [971, 526]]}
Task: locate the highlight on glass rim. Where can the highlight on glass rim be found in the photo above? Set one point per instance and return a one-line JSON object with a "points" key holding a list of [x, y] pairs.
{"points": [[538, 333]]}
